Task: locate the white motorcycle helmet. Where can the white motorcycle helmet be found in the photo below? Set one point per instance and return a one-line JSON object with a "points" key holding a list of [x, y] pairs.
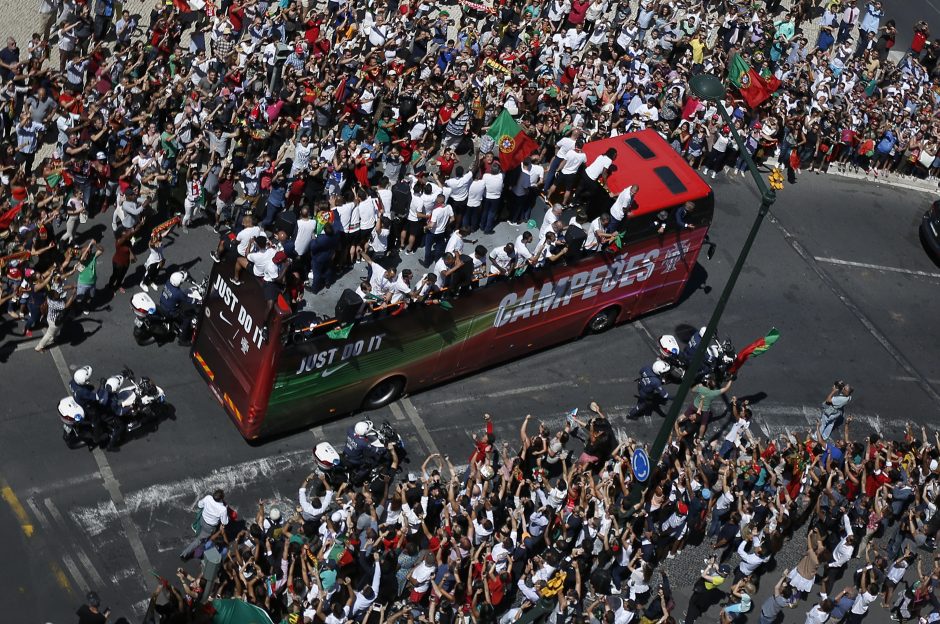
{"points": [[362, 428], [113, 384], [660, 367], [82, 376], [177, 278]]}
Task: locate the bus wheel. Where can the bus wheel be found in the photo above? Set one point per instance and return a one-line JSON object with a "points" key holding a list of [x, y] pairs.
{"points": [[603, 320], [384, 392]]}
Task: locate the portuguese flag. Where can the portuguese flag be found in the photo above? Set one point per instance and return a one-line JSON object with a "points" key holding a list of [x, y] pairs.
{"points": [[511, 141], [754, 349], [755, 89]]}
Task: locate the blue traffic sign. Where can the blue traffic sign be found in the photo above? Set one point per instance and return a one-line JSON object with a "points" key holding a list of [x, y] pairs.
{"points": [[641, 465]]}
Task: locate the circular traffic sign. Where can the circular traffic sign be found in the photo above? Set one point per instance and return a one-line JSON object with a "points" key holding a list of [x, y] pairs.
{"points": [[641, 465]]}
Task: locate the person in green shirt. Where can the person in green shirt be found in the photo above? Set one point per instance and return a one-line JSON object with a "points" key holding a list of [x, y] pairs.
{"points": [[88, 273], [705, 393]]}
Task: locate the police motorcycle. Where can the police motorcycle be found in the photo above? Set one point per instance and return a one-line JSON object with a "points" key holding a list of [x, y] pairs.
{"points": [[366, 456], [175, 314], [120, 407], [719, 357]]}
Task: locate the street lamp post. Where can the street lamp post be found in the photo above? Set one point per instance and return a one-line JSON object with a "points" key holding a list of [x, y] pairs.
{"points": [[709, 87]]}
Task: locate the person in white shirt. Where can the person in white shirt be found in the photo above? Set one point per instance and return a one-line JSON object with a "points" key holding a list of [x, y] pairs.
{"points": [[597, 235], [435, 236], [365, 598], [212, 520], [315, 508], [456, 241], [381, 279], [550, 217], [349, 222], [492, 198], [402, 290], [593, 187], [378, 244], [621, 207], [414, 224], [503, 261], [370, 211], [568, 172], [562, 147], [474, 204], [306, 228], [459, 187], [420, 577], [522, 248]]}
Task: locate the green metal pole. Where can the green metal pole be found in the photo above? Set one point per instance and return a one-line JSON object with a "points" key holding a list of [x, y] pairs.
{"points": [[768, 197]]}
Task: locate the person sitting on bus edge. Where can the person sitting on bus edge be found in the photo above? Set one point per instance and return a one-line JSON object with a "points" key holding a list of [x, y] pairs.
{"points": [[402, 290], [480, 256], [598, 233], [679, 218], [258, 259], [381, 280], [446, 267], [622, 207], [502, 261], [241, 242], [427, 289]]}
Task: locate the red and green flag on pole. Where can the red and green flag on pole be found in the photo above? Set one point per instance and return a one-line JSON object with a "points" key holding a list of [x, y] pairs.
{"points": [[761, 345], [755, 89], [513, 144]]}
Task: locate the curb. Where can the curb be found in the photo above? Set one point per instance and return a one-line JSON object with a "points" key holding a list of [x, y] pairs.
{"points": [[923, 186]]}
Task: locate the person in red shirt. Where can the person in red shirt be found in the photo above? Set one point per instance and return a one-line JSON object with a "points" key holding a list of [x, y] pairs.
{"points": [[483, 444], [875, 477]]}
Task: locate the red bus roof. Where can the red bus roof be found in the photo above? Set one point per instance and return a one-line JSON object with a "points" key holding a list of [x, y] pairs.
{"points": [[644, 158]]}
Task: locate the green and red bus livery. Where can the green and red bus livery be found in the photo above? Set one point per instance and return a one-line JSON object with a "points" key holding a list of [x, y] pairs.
{"points": [[297, 375]]}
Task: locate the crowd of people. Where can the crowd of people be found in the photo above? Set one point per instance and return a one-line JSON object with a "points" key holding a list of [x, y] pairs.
{"points": [[324, 136], [547, 522]]}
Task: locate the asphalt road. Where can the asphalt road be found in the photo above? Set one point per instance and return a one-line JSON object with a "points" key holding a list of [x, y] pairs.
{"points": [[76, 520]]}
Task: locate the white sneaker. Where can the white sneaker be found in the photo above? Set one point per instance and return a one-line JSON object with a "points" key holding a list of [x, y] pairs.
{"points": [[704, 171], [144, 286], [713, 175], [154, 286]]}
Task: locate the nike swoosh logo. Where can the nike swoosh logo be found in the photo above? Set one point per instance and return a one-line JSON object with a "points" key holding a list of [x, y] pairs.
{"points": [[329, 372], [222, 316]]}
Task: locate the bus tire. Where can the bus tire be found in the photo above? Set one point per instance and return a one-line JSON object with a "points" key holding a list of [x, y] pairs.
{"points": [[603, 320], [386, 391]]}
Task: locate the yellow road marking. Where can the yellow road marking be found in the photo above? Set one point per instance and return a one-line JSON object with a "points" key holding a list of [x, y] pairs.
{"points": [[17, 508], [60, 577]]}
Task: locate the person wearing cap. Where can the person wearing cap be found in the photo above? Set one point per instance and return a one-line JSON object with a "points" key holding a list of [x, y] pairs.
{"points": [[90, 613], [707, 589]]}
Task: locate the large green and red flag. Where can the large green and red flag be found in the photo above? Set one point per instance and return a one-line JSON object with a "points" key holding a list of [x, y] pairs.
{"points": [[754, 349], [513, 144], [754, 88]]}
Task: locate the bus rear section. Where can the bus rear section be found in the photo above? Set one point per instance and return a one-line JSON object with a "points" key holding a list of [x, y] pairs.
{"points": [[231, 351]]}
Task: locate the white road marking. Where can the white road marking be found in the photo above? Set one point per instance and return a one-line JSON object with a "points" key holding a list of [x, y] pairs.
{"points": [[417, 423], [561, 383], [73, 570], [839, 292], [184, 494], [96, 579], [878, 267], [111, 485]]}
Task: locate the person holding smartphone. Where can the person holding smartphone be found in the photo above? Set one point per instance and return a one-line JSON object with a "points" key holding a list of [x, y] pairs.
{"points": [[90, 613]]}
